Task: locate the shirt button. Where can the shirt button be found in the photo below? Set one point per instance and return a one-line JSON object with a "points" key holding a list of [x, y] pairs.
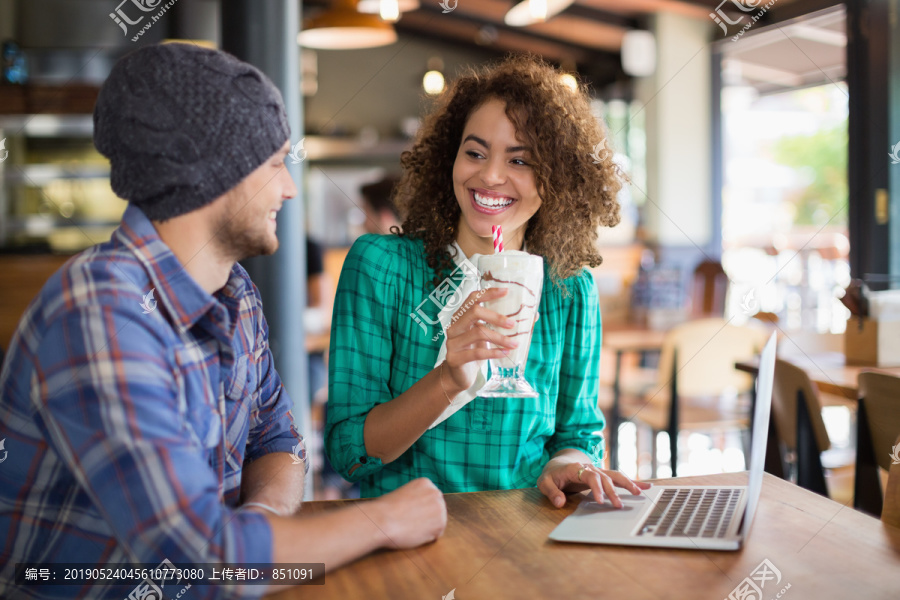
{"points": [[362, 459]]}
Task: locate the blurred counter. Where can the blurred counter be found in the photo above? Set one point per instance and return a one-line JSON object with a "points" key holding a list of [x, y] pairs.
{"points": [[23, 276]]}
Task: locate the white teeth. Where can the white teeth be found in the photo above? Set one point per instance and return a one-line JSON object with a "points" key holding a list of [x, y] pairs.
{"points": [[489, 202]]}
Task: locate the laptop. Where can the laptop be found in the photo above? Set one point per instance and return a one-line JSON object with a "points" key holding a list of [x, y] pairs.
{"points": [[698, 517]]}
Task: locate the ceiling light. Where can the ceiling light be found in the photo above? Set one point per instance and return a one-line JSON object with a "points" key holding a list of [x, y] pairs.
{"points": [[433, 82], [389, 10], [374, 6], [342, 27], [534, 11]]}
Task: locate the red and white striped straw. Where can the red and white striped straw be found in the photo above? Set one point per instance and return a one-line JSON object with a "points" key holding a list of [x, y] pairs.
{"points": [[497, 230]]}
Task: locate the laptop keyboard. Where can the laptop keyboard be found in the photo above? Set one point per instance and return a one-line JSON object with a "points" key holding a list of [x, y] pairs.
{"points": [[696, 512]]}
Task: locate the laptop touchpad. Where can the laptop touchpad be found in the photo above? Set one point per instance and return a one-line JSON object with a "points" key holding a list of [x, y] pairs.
{"points": [[629, 503]]}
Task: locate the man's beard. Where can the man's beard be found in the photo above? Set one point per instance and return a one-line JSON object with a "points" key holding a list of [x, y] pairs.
{"points": [[240, 237]]}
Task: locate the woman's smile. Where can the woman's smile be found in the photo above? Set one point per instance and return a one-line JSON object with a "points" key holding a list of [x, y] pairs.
{"points": [[490, 203]]}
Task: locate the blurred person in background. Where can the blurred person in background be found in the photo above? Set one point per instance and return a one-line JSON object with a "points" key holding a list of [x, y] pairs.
{"points": [[381, 212]]}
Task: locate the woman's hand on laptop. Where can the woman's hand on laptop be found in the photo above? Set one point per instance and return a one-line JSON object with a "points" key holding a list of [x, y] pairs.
{"points": [[570, 471]]}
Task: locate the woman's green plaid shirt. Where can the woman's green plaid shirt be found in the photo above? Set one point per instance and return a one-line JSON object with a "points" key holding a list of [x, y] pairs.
{"points": [[379, 349]]}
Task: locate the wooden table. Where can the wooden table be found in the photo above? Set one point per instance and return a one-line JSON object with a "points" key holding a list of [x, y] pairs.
{"points": [[636, 340], [633, 340], [828, 370], [496, 546]]}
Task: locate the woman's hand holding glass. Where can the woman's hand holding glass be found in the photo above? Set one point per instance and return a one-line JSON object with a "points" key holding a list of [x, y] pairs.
{"points": [[469, 340]]}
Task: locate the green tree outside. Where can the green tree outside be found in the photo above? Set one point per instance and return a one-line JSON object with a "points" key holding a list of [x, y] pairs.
{"points": [[824, 153]]}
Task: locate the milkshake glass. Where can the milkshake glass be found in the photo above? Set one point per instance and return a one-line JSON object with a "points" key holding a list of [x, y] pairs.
{"points": [[523, 275]]}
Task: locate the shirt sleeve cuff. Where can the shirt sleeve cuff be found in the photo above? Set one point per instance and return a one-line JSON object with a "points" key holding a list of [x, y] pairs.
{"points": [[361, 464], [295, 446], [594, 450]]}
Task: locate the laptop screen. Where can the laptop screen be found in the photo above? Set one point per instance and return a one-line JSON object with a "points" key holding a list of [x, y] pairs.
{"points": [[765, 381]]}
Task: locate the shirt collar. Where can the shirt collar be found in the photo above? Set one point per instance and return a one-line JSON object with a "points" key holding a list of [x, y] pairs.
{"points": [[183, 298]]}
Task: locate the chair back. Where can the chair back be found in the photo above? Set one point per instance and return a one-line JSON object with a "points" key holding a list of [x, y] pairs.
{"points": [[790, 379], [890, 514], [881, 394], [766, 317], [710, 287], [707, 350]]}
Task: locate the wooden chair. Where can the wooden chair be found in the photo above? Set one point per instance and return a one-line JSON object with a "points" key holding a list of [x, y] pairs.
{"points": [[801, 432], [878, 426], [710, 287], [697, 387], [766, 317], [890, 514]]}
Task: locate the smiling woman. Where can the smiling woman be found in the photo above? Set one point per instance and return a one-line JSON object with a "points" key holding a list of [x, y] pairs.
{"points": [[507, 146]]}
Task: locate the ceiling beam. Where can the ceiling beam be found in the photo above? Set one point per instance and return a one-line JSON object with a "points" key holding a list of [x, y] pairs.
{"points": [[645, 7], [540, 34], [496, 10], [574, 30], [597, 15], [424, 24], [451, 38]]}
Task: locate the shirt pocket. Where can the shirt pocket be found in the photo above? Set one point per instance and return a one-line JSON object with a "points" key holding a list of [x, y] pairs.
{"points": [[242, 382], [242, 386], [241, 404], [198, 396]]}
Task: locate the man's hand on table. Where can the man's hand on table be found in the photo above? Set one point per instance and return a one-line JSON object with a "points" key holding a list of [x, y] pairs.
{"points": [[408, 517], [566, 473], [411, 515]]}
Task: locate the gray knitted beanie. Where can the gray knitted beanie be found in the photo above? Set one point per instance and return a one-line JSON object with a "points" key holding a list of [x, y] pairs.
{"points": [[182, 125]]}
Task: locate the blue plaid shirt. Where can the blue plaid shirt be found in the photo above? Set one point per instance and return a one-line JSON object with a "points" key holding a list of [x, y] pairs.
{"points": [[128, 417]]}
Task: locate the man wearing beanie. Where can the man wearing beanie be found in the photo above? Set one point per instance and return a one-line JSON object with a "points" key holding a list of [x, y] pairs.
{"points": [[142, 414]]}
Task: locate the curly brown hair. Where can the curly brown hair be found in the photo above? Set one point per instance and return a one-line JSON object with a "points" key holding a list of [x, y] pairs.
{"points": [[556, 122]]}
